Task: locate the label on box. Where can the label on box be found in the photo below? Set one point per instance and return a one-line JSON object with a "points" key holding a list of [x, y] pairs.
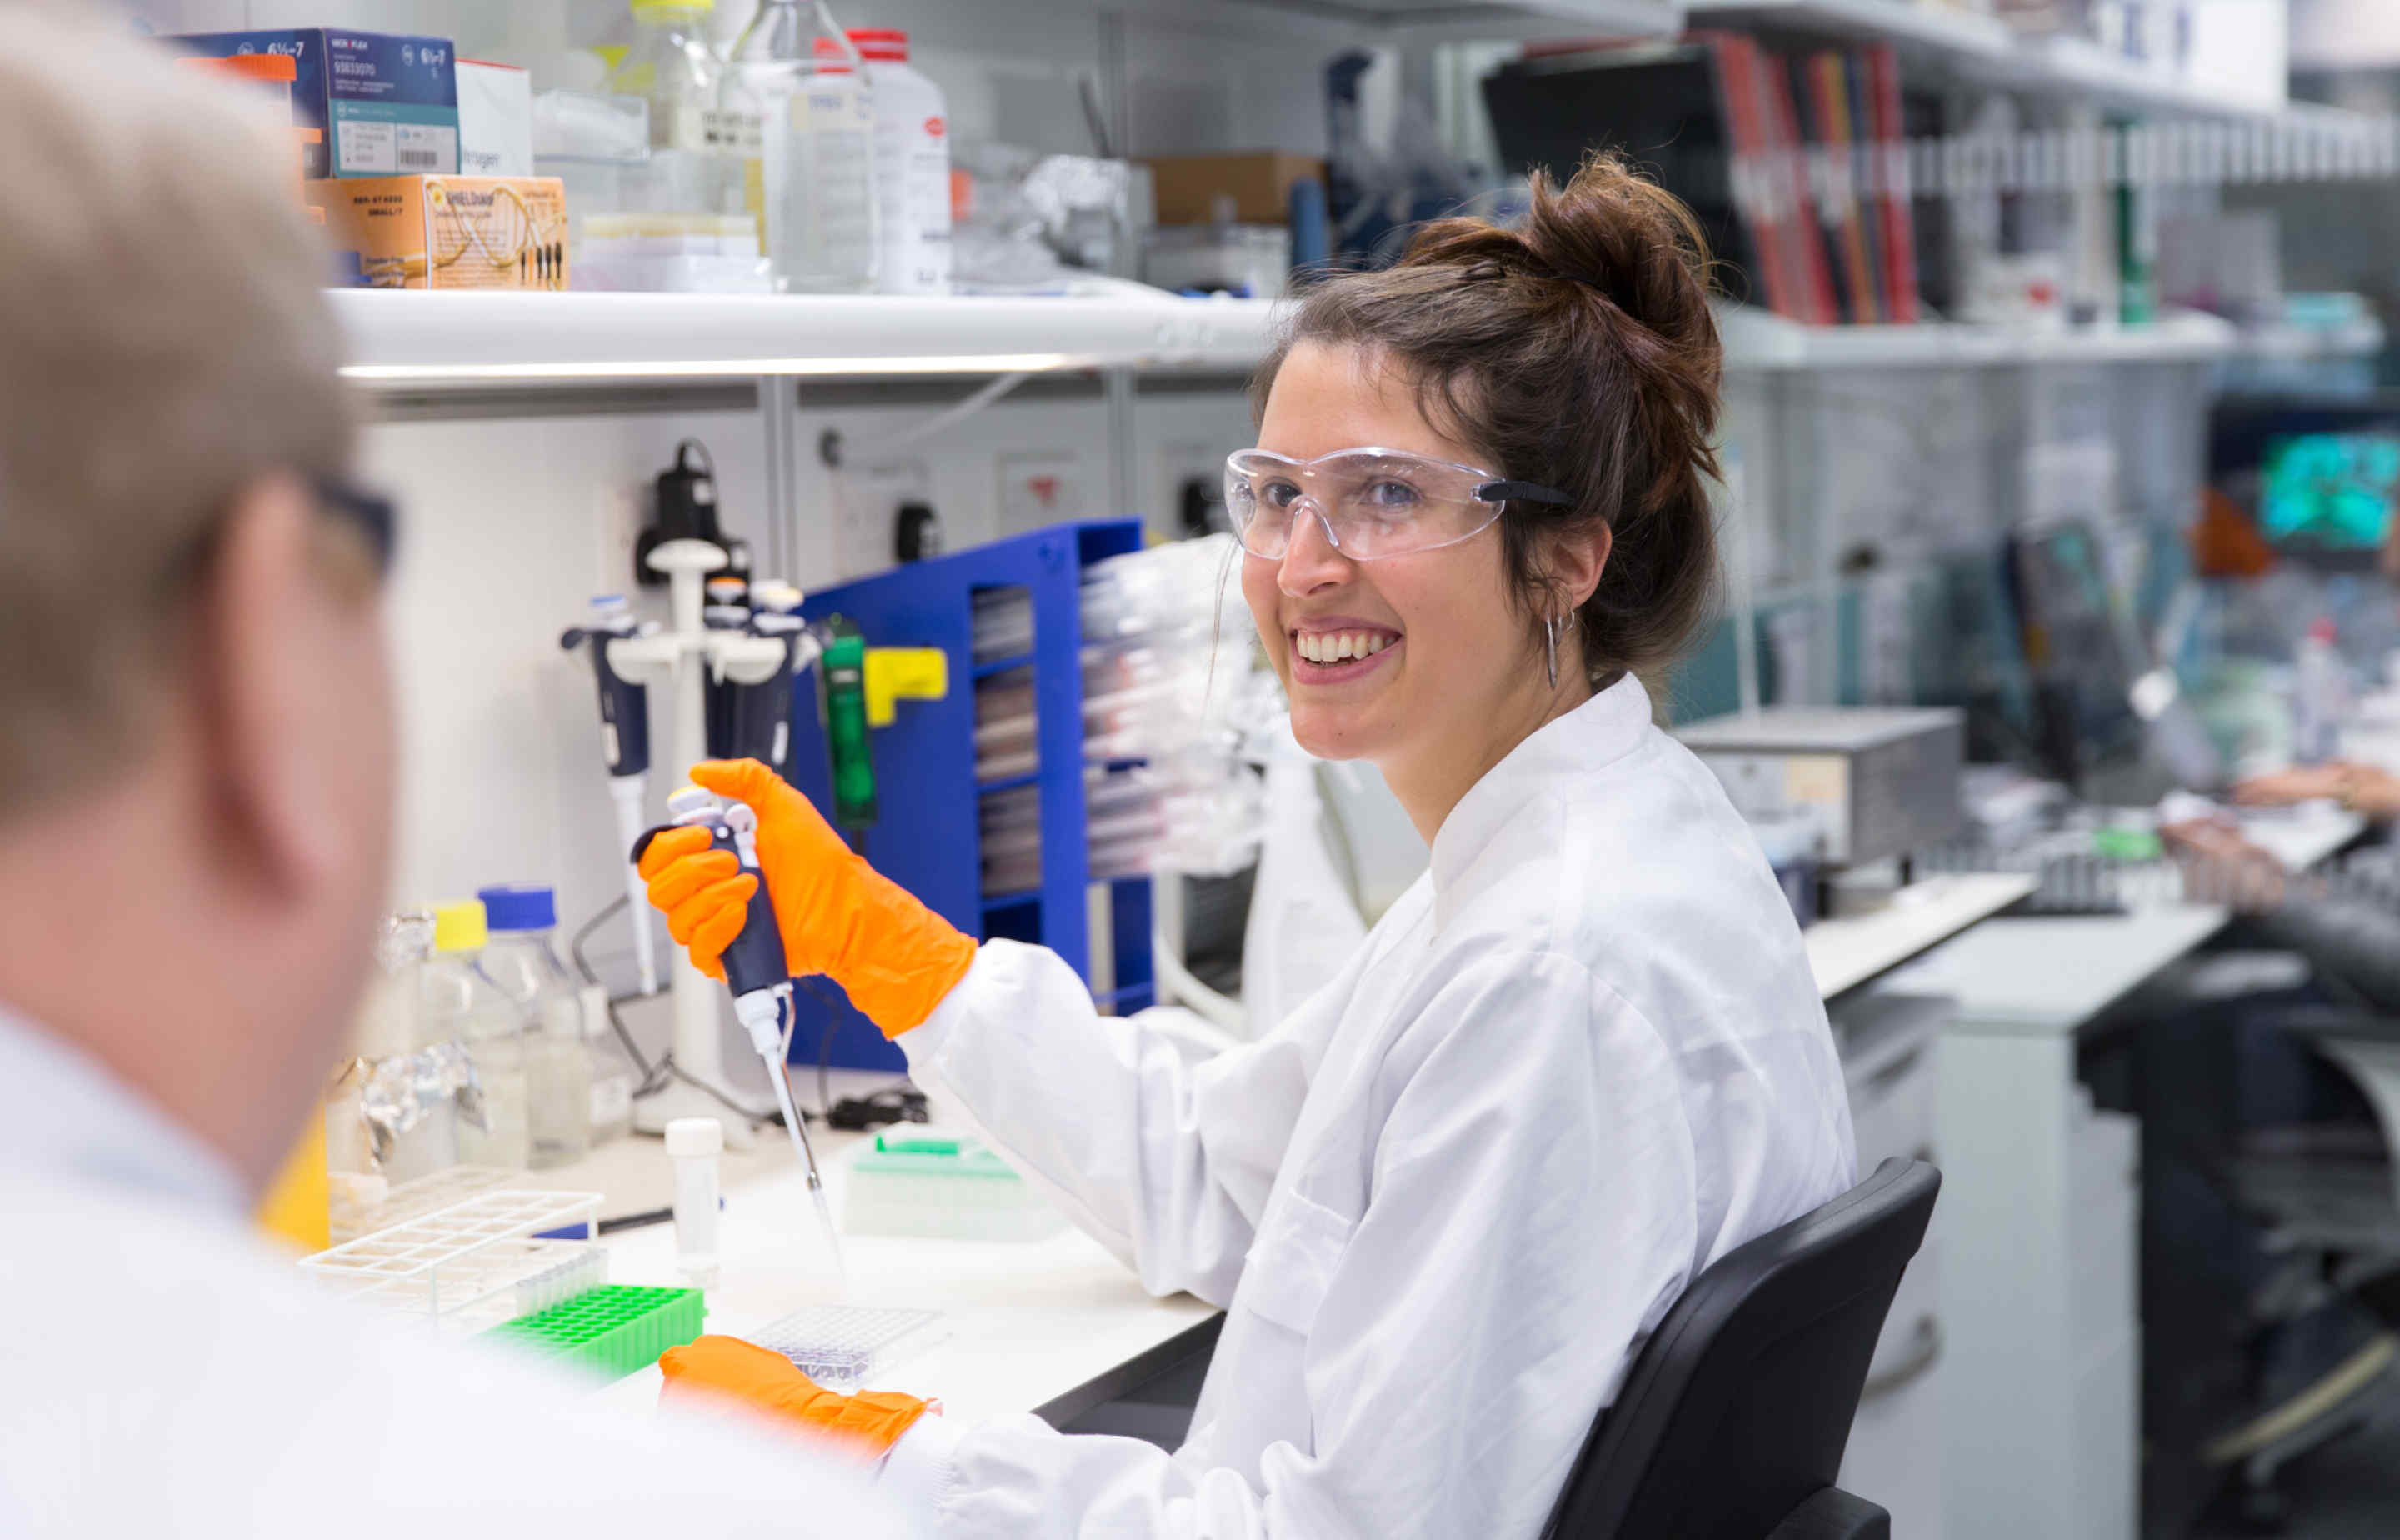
{"points": [[392, 84], [364, 147], [446, 232]]}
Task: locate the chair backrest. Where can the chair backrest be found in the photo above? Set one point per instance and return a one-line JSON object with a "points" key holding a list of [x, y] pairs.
{"points": [[1739, 1408]]}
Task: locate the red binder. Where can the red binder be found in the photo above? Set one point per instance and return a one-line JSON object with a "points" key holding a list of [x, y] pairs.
{"points": [[1895, 219]]}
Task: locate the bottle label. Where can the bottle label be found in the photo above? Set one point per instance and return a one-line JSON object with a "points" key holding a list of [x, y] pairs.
{"points": [[735, 132], [686, 128], [612, 1101]]}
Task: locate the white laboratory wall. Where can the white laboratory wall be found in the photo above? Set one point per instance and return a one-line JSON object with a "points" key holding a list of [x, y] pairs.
{"points": [[511, 524], [2344, 33]]}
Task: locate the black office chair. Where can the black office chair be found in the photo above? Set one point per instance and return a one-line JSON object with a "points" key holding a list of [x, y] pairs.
{"points": [[1732, 1422]]}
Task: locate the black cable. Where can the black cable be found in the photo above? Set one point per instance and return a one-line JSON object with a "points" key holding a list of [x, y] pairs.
{"points": [[650, 1072], [754, 1119], [825, 1046]]}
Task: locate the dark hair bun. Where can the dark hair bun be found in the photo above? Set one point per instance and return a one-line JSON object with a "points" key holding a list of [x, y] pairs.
{"points": [[1579, 351]]}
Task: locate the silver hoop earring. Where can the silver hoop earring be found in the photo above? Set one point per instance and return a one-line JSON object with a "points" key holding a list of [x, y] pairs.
{"points": [[1550, 637]]}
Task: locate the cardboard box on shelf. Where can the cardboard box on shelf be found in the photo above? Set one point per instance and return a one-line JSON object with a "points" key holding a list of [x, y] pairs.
{"points": [[264, 81], [385, 104], [1188, 186], [495, 119], [446, 232]]}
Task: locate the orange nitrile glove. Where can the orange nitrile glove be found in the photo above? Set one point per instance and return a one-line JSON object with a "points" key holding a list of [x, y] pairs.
{"points": [[729, 1369], [893, 956]]}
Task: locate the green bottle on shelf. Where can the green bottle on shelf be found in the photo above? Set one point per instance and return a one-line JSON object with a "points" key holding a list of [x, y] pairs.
{"points": [[842, 699]]}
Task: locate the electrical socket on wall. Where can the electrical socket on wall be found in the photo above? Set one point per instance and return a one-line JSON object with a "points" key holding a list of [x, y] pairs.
{"points": [[1043, 486], [868, 501], [1182, 468]]}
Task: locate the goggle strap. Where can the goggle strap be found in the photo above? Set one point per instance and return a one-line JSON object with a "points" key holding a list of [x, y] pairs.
{"points": [[1523, 492]]}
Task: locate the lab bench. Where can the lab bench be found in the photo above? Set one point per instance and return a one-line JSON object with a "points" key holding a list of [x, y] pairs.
{"points": [[2038, 1227], [1053, 1327]]}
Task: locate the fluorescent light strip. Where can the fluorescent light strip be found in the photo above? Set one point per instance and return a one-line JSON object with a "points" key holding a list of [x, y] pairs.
{"points": [[930, 363]]}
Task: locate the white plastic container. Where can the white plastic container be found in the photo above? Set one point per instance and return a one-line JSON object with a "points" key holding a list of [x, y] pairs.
{"points": [[797, 84], [694, 1144], [917, 1180], [2320, 696], [459, 1004], [520, 959], [614, 1077], [696, 157], [912, 168]]}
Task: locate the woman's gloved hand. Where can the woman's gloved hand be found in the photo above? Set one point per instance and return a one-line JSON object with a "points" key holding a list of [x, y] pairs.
{"points": [[729, 1369], [893, 956]]}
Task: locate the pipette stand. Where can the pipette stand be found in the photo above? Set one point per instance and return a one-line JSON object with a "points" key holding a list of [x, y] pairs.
{"points": [[675, 658]]}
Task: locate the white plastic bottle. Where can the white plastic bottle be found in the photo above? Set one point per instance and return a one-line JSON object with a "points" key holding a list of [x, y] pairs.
{"points": [[615, 1080], [2320, 695], [912, 168], [694, 1145], [459, 1004], [520, 959], [695, 163], [794, 75]]}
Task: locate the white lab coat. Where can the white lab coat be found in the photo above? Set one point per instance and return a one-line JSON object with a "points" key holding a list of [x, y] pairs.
{"points": [[164, 1374], [1444, 1200]]}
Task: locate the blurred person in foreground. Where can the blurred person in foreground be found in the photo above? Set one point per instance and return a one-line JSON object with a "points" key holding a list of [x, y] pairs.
{"points": [[196, 784]]}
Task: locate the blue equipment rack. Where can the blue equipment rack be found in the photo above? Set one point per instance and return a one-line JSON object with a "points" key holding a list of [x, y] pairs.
{"points": [[927, 838]]}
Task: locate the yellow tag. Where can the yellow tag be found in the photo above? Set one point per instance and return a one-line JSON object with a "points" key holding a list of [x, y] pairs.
{"points": [[895, 673]]}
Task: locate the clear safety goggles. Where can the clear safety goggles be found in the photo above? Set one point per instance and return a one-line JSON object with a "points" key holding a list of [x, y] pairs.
{"points": [[1370, 502]]}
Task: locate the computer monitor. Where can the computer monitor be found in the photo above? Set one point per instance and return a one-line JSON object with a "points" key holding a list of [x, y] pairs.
{"points": [[2319, 477], [2329, 491]]}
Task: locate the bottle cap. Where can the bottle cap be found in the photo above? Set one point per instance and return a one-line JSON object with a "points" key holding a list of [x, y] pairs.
{"points": [[520, 906], [649, 9], [460, 926], [830, 58], [881, 44], [695, 1137]]}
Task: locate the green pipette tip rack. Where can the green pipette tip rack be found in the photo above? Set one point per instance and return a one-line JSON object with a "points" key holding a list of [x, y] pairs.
{"points": [[611, 1330]]}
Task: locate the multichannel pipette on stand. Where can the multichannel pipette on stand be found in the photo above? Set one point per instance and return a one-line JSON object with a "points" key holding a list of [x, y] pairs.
{"points": [[693, 662], [625, 743]]}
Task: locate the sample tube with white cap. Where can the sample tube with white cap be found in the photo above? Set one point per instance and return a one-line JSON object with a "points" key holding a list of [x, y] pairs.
{"points": [[694, 1145]]}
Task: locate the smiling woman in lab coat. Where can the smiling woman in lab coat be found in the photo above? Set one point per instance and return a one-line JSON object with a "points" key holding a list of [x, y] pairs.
{"points": [[1444, 1201]]}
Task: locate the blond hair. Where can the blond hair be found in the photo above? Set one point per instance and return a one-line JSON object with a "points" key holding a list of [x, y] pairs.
{"points": [[163, 346]]}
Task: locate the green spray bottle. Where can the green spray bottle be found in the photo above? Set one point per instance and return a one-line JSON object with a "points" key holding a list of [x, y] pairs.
{"points": [[841, 703]]}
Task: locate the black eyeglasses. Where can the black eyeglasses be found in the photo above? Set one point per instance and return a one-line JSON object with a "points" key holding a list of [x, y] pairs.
{"points": [[375, 516]]}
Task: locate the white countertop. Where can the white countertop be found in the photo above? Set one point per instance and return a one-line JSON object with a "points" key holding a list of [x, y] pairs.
{"points": [[2047, 975], [1026, 1322], [1845, 953]]}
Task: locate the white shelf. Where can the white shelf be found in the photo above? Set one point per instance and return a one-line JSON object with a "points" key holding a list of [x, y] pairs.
{"points": [[1757, 340], [1435, 20], [2283, 342], [1960, 35], [410, 341], [1989, 51], [1845, 953], [404, 340]]}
